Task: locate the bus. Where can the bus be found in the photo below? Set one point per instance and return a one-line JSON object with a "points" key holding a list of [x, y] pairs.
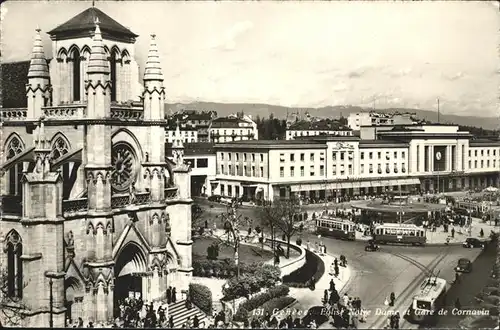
{"points": [[334, 227], [426, 304], [399, 233]]}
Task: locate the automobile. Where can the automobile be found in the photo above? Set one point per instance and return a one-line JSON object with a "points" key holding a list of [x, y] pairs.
{"points": [[473, 243], [464, 265], [371, 246]]}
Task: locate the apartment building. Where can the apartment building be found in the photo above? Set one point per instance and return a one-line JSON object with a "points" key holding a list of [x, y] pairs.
{"points": [[316, 128], [233, 128], [373, 118], [193, 125], [423, 157]]}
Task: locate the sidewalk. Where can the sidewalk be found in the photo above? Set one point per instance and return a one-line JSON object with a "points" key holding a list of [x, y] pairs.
{"points": [[307, 298], [461, 234]]}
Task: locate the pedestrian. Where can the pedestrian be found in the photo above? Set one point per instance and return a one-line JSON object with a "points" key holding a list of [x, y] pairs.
{"points": [[332, 285], [392, 299], [336, 262], [336, 271], [345, 299], [332, 268], [452, 232], [169, 295], [325, 296], [481, 233], [308, 245], [206, 224], [396, 320], [174, 295]]}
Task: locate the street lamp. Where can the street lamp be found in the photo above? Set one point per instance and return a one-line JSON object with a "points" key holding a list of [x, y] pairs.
{"points": [[438, 158], [51, 304]]}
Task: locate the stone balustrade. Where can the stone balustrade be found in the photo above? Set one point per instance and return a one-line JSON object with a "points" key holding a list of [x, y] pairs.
{"points": [[75, 205], [69, 111], [123, 200], [171, 193], [126, 113], [13, 114]]}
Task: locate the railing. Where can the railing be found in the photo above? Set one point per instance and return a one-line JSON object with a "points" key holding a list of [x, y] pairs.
{"points": [[65, 111], [75, 205], [170, 193], [127, 113], [12, 204], [17, 114], [123, 200]]}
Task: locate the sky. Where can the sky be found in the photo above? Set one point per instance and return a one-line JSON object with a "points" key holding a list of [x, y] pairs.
{"points": [[301, 54]]}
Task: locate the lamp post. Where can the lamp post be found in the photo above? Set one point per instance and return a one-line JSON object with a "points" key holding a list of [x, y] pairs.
{"points": [[438, 158], [51, 304]]}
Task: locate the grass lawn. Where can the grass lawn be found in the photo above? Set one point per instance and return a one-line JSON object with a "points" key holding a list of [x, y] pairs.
{"points": [[248, 254]]}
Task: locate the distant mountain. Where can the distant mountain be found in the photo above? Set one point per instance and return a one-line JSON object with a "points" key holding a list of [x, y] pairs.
{"points": [[263, 110]]}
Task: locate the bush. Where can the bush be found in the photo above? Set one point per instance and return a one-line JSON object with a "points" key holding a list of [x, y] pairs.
{"points": [[276, 304], [259, 300], [213, 251], [299, 241], [201, 296], [313, 269]]}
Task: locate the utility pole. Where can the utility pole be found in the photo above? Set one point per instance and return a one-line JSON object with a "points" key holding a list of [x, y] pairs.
{"points": [[51, 304], [439, 111]]}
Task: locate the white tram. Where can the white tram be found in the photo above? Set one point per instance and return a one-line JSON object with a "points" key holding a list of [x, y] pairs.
{"points": [[338, 228], [429, 300], [399, 233]]}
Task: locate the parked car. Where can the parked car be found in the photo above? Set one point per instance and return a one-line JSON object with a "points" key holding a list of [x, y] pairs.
{"points": [[214, 198], [464, 265], [474, 243]]}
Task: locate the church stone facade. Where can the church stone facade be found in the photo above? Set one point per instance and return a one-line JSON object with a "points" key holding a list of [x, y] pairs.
{"points": [[92, 211]]}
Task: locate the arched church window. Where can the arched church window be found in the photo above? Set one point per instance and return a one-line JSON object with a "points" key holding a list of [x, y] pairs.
{"points": [[76, 75], [60, 148], [14, 148], [124, 162], [113, 76], [14, 249]]}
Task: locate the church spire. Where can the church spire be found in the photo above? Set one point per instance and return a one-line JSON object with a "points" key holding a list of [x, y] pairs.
{"points": [[38, 65], [98, 62], [152, 71]]}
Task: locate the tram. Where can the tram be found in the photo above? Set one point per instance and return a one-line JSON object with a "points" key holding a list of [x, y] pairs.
{"points": [[334, 227], [426, 304], [399, 233]]}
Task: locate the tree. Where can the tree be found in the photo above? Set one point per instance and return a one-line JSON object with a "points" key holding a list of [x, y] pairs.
{"points": [[11, 310], [232, 221], [196, 215], [285, 214]]}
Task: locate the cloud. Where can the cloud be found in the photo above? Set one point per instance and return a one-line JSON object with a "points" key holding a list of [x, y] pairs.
{"points": [[454, 76], [3, 12], [228, 40], [401, 72]]}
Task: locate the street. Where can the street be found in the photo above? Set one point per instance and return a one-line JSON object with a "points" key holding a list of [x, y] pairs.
{"points": [[398, 269]]}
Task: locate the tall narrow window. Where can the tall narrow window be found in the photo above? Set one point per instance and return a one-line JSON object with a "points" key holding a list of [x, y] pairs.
{"points": [[76, 75], [14, 148], [112, 65], [14, 265], [60, 148]]}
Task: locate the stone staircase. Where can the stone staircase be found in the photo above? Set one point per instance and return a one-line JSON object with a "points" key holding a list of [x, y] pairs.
{"points": [[181, 314]]}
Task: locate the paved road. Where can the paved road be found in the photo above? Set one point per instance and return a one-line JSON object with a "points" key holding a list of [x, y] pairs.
{"points": [[397, 269]]}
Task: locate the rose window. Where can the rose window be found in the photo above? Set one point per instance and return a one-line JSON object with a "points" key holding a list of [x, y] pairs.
{"points": [[123, 160]]}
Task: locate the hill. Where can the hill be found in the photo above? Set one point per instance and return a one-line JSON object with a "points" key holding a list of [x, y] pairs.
{"points": [[263, 110]]}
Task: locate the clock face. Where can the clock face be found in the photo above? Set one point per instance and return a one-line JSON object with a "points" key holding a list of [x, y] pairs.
{"points": [[438, 155]]}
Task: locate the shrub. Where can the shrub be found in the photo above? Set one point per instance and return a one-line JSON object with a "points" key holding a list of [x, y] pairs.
{"points": [[259, 300], [267, 275], [276, 304], [299, 241], [258, 230], [313, 268], [213, 251], [201, 296]]}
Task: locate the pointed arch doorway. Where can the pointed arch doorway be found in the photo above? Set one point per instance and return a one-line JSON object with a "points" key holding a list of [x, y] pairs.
{"points": [[130, 268]]}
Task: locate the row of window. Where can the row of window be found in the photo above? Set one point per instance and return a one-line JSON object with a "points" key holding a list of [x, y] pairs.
{"points": [[229, 190], [388, 170], [312, 171], [303, 157], [185, 140], [482, 152], [187, 133], [245, 157], [247, 171], [482, 164], [197, 163], [379, 154], [249, 132], [316, 133]]}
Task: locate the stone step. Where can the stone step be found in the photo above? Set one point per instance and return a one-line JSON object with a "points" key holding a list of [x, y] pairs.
{"points": [[181, 313]]}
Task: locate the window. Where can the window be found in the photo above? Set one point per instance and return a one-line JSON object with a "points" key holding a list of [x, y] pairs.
{"points": [[229, 156], [245, 170], [312, 157], [77, 75], [379, 155], [253, 170], [322, 156], [15, 147], [282, 172], [237, 156], [370, 169], [244, 157], [362, 155], [482, 153], [261, 157], [334, 155], [470, 163], [202, 162], [395, 167], [470, 153], [221, 156], [395, 154], [230, 191], [237, 170], [222, 169], [230, 170], [370, 155], [302, 157], [403, 154], [342, 155], [350, 169], [475, 153], [237, 191], [253, 157], [488, 152], [112, 74], [379, 170], [494, 152], [302, 171], [362, 168], [322, 170], [292, 157], [292, 171], [282, 158], [403, 168], [488, 163], [494, 163], [14, 251], [261, 171], [475, 164], [311, 170], [482, 163]]}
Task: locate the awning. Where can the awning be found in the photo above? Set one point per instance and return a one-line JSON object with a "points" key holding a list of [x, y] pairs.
{"points": [[25, 156], [250, 185], [409, 181], [75, 157]]}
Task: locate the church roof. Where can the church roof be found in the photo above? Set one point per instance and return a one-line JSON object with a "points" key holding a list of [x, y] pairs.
{"points": [[85, 22]]}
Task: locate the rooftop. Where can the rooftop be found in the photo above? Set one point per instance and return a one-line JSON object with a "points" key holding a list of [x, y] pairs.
{"points": [[193, 149], [271, 144], [85, 22], [320, 125]]}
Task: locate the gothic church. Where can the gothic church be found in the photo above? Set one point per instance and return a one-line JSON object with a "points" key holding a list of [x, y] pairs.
{"points": [[92, 211]]}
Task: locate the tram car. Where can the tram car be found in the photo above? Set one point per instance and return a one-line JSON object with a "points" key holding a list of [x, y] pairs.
{"points": [[426, 305], [334, 227], [399, 234]]}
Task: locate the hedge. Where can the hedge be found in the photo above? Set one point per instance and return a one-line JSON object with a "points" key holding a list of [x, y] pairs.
{"points": [[275, 304], [201, 296], [259, 300], [313, 268], [225, 268]]}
